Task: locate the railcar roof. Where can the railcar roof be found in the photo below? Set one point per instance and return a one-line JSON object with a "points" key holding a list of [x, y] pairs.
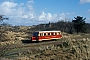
{"points": [[47, 31]]}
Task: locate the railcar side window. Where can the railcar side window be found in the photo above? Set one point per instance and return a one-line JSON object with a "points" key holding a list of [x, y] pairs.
{"points": [[41, 34], [52, 33], [44, 34], [55, 33], [48, 33], [58, 33]]}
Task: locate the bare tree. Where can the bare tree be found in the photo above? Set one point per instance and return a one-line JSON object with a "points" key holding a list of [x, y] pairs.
{"points": [[3, 18], [2, 35]]}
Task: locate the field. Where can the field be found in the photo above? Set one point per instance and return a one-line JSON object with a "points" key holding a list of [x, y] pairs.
{"points": [[19, 47]]}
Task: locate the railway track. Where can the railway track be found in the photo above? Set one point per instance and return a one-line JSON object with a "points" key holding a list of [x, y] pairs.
{"points": [[32, 44]]}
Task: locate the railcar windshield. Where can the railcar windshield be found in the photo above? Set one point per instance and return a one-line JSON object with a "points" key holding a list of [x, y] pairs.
{"points": [[35, 34]]}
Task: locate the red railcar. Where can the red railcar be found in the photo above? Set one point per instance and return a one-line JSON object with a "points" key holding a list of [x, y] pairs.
{"points": [[46, 35]]}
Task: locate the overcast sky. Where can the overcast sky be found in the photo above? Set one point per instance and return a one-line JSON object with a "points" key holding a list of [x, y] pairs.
{"points": [[32, 12]]}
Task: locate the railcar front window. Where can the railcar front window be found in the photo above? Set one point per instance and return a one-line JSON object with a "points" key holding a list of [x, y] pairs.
{"points": [[35, 34]]}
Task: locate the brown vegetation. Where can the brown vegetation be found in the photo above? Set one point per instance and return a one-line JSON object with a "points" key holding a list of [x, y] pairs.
{"points": [[70, 47]]}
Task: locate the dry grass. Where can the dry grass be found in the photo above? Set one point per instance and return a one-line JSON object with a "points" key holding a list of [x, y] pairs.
{"points": [[72, 47]]}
